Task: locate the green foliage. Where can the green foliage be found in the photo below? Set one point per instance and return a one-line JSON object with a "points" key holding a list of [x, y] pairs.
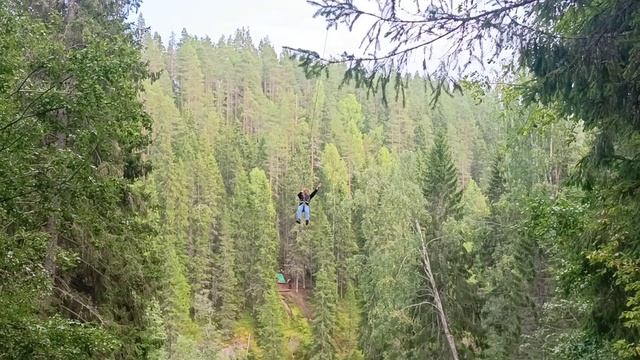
{"points": [[337, 206], [596, 89], [497, 181], [101, 259], [523, 269], [55, 338], [348, 327], [388, 280], [73, 132], [225, 284], [270, 325], [440, 184], [324, 322], [256, 244]]}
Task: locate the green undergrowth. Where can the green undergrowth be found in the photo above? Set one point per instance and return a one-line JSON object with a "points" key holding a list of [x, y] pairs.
{"points": [[243, 343]]}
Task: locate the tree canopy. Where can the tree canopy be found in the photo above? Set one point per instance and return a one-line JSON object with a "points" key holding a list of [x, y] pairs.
{"points": [[148, 186]]}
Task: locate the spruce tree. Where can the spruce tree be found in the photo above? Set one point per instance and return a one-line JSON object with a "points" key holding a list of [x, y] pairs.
{"points": [[440, 184], [325, 296], [270, 317], [324, 321], [348, 326], [387, 278], [257, 244], [336, 197], [496, 182], [226, 297], [345, 130]]}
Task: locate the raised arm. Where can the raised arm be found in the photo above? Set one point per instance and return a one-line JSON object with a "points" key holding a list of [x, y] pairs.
{"points": [[314, 192]]}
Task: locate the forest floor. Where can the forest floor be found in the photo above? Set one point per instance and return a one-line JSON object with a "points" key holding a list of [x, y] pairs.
{"points": [[300, 299], [297, 330]]}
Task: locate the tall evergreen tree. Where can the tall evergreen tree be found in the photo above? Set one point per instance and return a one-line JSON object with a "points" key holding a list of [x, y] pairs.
{"points": [[496, 182], [337, 200], [388, 280], [440, 184], [270, 322], [226, 297], [324, 322]]}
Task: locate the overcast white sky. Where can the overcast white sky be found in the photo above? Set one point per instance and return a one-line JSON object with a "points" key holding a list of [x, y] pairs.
{"points": [[285, 22]]}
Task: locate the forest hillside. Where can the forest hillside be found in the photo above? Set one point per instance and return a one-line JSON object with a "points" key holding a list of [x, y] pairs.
{"points": [[149, 189]]}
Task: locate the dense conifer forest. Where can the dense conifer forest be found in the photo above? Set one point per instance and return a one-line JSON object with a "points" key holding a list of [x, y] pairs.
{"points": [[149, 187]]}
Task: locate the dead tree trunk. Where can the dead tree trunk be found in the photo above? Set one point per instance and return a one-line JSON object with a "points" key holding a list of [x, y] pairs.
{"points": [[426, 265]]}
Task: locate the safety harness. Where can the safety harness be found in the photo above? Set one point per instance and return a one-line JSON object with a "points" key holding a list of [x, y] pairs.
{"points": [[305, 199]]}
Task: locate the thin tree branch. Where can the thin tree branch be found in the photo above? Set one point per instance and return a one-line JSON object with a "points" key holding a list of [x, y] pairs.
{"points": [[24, 81], [33, 101], [420, 304], [75, 299]]}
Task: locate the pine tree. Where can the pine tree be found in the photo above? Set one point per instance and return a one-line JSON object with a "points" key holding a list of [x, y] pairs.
{"points": [[509, 275], [449, 247], [400, 127], [190, 79]]}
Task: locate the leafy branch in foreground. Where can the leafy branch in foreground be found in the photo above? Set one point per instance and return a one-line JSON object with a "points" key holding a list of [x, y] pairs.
{"points": [[444, 39]]}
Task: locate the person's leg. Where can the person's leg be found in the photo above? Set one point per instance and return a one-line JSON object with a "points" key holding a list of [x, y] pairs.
{"points": [[307, 213], [299, 213]]}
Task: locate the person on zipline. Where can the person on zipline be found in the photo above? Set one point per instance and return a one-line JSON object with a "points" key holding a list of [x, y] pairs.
{"points": [[303, 206]]}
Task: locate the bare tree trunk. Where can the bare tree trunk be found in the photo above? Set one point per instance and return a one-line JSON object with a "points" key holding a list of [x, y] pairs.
{"points": [[52, 246], [426, 265], [60, 143]]}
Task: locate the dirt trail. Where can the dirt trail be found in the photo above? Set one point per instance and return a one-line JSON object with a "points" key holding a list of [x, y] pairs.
{"points": [[300, 300]]}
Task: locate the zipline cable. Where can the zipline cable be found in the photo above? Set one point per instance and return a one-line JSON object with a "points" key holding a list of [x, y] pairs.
{"points": [[315, 105]]}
